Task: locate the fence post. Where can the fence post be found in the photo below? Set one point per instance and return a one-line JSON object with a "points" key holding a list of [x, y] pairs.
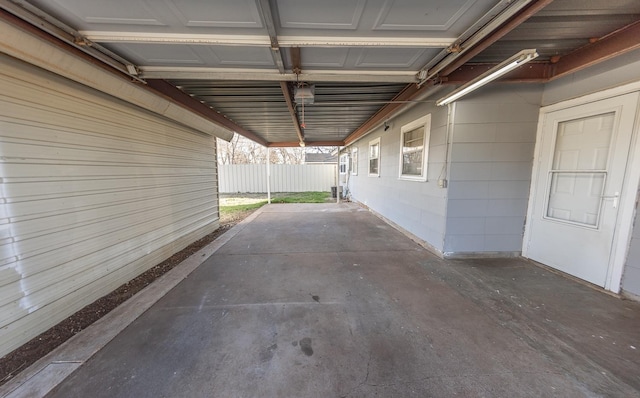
{"points": [[268, 175], [338, 178]]}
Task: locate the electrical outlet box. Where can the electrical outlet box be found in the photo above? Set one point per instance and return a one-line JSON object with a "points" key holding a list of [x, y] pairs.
{"points": [[442, 183]]}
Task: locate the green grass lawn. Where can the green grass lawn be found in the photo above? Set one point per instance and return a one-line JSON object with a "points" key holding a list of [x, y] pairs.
{"points": [[231, 204], [245, 207], [302, 197]]}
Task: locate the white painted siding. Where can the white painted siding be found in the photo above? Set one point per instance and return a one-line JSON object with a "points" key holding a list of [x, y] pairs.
{"points": [[417, 206], [284, 177], [492, 146], [94, 191], [488, 169]]}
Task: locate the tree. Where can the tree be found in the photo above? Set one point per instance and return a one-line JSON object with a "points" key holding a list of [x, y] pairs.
{"points": [[241, 150]]}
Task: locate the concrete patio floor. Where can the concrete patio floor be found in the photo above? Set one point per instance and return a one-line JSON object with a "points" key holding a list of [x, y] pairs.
{"points": [[329, 301]]}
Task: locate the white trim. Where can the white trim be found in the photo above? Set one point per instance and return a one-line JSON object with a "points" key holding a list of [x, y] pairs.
{"points": [[343, 159], [331, 41], [526, 238], [371, 143], [264, 41], [196, 72], [176, 38], [425, 122], [624, 229], [624, 223], [354, 161]]}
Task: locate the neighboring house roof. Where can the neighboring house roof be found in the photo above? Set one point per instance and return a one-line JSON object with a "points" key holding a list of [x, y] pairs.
{"points": [[320, 158]]}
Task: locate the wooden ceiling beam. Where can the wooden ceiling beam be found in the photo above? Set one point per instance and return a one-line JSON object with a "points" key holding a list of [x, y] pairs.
{"points": [[616, 43], [612, 45], [286, 92], [166, 89], [296, 60], [513, 23], [408, 93], [289, 144], [538, 72]]}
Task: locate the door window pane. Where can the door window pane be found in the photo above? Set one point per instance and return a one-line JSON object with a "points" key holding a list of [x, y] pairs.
{"points": [[579, 170]]}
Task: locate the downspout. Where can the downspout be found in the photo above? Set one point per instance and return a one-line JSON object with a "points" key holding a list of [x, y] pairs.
{"points": [[443, 179], [444, 174]]}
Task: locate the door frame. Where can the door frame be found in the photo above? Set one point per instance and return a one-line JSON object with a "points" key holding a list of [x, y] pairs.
{"points": [[631, 181]]}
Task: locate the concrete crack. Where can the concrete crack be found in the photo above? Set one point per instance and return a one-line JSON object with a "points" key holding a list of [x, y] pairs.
{"points": [[366, 379], [363, 382]]}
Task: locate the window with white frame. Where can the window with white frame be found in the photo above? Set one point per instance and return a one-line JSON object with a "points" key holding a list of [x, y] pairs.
{"points": [[374, 158], [354, 161], [344, 162], [414, 149]]}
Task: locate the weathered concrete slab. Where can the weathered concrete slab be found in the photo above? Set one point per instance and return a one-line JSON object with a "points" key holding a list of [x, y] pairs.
{"points": [[41, 377], [329, 301], [46, 378]]}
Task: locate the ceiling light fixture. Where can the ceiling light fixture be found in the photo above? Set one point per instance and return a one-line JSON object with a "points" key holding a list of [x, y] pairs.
{"points": [[304, 94], [504, 67]]}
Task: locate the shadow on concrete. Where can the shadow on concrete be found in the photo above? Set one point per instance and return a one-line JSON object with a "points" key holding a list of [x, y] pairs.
{"points": [[329, 301]]}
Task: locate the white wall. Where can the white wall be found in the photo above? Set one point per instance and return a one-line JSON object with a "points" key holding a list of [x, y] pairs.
{"points": [[94, 191], [284, 177], [418, 207], [493, 139]]}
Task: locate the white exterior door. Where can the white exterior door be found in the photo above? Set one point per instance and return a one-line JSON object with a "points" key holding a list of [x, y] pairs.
{"points": [[582, 159]]}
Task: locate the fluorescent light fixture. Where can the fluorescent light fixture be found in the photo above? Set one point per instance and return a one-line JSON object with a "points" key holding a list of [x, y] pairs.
{"points": [[132, 70], [504, 67]]}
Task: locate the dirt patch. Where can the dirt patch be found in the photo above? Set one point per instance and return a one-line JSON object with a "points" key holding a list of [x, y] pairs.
{"points": [[24, 356]]}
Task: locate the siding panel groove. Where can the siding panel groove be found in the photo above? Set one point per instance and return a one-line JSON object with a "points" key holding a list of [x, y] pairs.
{"points": [[93, 191]]}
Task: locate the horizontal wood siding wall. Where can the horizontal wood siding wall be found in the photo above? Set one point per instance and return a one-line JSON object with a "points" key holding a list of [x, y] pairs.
{"points": [[94, 191], [284, 177]]}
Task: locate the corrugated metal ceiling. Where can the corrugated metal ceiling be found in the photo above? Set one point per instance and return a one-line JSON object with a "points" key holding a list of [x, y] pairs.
{"points": [[338, 109], [233, 56]]}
